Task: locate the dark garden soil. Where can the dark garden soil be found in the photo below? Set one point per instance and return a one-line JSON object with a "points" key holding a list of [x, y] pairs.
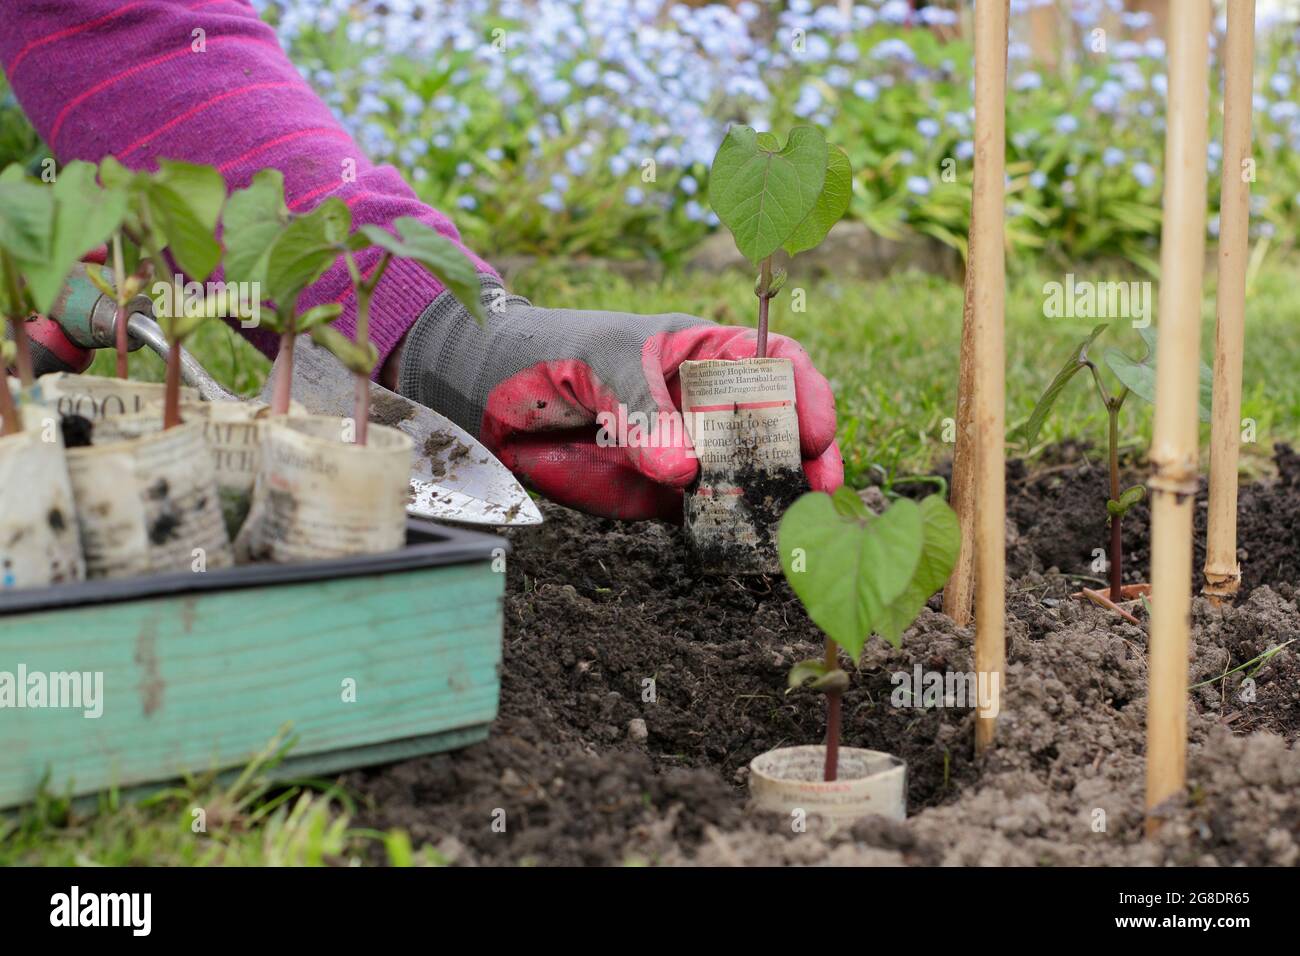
{"points": [[589, 771]]}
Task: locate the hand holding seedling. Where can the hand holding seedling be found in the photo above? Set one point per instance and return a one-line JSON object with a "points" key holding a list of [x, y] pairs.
{"points": [[859, 574], [1136, 378], [778, 197]]}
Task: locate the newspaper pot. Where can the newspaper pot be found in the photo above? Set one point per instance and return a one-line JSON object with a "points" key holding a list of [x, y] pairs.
{"points": [[234, 437], [147, 499], [320, 495], [744, 426], [868, 783], [39, 544], [96, 396]]}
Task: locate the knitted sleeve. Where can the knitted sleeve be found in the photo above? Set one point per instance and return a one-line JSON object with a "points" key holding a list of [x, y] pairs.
{"points": [[205, 81]]}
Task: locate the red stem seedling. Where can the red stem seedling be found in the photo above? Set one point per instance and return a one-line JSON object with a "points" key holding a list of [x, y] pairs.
{"points": [[802, 188], [1136, 378], [857, 574], [834, 704]]}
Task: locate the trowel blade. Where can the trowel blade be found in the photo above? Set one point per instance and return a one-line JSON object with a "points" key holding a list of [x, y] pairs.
{"points": [[453, 476]]}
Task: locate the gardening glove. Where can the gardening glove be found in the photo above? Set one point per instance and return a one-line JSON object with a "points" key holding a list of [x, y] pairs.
{"points": [[532, 383]]}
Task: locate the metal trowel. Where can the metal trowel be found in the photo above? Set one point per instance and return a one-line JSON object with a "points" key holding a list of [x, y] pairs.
{"points": [[453, 476]]}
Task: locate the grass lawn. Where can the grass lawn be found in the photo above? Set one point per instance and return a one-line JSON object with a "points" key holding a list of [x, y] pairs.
{"points": [[890, 351]]}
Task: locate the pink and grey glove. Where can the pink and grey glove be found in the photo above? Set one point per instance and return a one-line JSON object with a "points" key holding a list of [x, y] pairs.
{"points": [[533, 383]]}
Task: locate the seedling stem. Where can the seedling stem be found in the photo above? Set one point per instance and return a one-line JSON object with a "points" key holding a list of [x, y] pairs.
{"points": [[365, 290], [833, 708], [765, 295], [284, 377]]}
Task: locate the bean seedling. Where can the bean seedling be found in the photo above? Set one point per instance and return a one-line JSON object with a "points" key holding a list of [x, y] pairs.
{"points": [[857, 574], [1135, 378], [284, 254], [778, 197], [172, 211]]}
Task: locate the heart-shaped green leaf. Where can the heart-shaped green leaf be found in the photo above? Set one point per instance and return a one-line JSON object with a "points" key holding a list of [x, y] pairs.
{"points": [[847, 569], [821, 555], [253, 220], [1140, 377], [84, 217], [941, 535], [439, 256], [832, 204], [305, 249], [762, 194], [1029, 431], [184, 203]]}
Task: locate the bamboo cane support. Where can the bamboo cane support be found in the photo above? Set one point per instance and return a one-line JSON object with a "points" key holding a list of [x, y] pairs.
{"points": [[1222, 572], [958, 592], [988, 285], [1173, 447]]}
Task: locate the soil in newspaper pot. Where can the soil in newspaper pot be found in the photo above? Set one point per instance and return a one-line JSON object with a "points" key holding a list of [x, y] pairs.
{"points": [[318, 494], [147, 499], [39, 544], [790, 781], [744, 426]]}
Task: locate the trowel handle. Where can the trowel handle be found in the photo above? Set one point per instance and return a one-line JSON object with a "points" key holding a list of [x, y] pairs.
{"points": [[86, 315]]}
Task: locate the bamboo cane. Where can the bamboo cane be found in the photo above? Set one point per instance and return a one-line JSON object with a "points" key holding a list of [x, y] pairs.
{"points": [[1222, 572], [988, 287], [957, 593], [1173, 447]]}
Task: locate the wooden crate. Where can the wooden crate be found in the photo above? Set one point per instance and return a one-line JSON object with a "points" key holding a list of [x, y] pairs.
{"points": [[200, 671]]}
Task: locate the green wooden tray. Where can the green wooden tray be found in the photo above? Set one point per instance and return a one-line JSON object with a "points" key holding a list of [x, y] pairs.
{"points": [[200, 671]]}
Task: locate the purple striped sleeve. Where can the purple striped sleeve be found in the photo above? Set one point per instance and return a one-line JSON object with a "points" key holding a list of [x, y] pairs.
{"points": [[132, 79]]}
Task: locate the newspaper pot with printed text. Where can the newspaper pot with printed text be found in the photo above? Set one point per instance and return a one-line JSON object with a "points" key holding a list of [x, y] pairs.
{"points": [[789, 781], [318, 494], [94, 397], [147, 499], [39, 544], [234, 437], [744, 426]]}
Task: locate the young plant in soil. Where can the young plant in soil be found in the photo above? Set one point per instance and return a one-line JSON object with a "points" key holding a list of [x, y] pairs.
{"points": [[775, 197], [285, 254], [858, 574], [43, 232], [1135, 378], [173, 211]]}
